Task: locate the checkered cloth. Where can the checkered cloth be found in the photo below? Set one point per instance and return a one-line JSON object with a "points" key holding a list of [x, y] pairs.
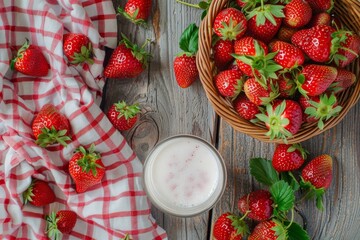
{"points": [[108, 210]]}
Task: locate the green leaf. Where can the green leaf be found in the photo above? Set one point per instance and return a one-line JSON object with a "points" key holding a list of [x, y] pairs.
{"points": [[296, 232], [283, 195], [263, 171], [189, 39], [204, 5], [290, 179]]}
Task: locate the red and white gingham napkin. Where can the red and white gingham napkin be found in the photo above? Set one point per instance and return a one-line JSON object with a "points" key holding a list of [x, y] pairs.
{"points": [[109, 210]]}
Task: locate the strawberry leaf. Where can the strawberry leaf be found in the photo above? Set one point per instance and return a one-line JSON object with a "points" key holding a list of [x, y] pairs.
{"points": [[296, 232], [290, 179], [263, 171], [189, 39], [283, 196]]}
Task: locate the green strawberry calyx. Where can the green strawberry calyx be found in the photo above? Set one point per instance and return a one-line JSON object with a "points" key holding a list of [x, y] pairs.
{"points": [[28, 194], [239, 225], [126, 111], [266, 12], [85, 55], [138, 52], [275, 122], [324, 109], [51, 135], [51, 226], [312, 192], [20, 53], [263, 66], [127, 237], [89, 159], [231, 30], [133, 18], [297, 146], [280, 230]]}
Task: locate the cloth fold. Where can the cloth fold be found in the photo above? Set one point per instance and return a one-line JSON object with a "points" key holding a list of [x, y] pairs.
{"points": [[109, 210]]}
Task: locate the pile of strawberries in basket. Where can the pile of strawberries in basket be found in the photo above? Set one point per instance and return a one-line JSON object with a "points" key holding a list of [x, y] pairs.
{"points": [[272, 208], [280, 62]]}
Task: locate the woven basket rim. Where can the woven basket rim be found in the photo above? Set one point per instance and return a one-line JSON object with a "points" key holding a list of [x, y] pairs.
{"points": [[348, 12]]}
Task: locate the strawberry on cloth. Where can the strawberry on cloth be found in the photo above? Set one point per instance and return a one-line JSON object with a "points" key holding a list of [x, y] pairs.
{"points": [[109, 210]]}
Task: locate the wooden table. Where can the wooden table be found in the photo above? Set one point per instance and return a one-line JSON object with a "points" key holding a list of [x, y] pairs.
{"points": [[168, 110]]}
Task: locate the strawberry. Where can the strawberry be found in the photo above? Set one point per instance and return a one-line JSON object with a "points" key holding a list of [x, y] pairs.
{"points": [[185, 68], [259, 94], [323, 43], [283, 118], [230, 24], [50, 126], [315, 79], [297, 13], [257, 205], [245, 108], [123, 116], [39, 193], [287, 86], [288, 157], [348, 49], [127, 61], [61, 222], [229, 83], [322, 18], [222, 51], [254, 61], [269, 230], [285, 33], [77, 48], [265, 21], [321, 5], [320, 108], [316, 177], [30, 61], [343, 80], [229, 227], [137, 11], [86, 168], [287, 55]]}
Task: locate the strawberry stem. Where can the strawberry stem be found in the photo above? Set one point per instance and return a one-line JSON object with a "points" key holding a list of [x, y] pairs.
{"points": [[189, 4]]}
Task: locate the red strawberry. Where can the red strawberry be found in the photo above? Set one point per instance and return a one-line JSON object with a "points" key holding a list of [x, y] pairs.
{"points": [[229, 227], [317, 177], [258, 204], [287, 55], [30, 61], [222, 53], [39, 193], [77, 48], [86, 168], [318, 171], [322, 18], [265, 21], [321, 5], [315, 42], [288, 157], [230, 24], [185, 68], [61, 222], [229, 83], [315, 79], [343, 80], [285, 33], [287, 86], [297, 13], [127, 61], [253, 59], [50, 126], [283, 118], [269, 230], [123, 116], [259, 94], [245, 108], [348, 49], [320, 108], [137, 11]]}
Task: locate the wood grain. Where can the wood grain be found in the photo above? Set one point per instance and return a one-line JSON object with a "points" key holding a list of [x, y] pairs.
{"points": [[168, 110]]}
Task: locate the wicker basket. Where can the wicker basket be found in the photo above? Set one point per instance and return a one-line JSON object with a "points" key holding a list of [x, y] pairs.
{"points": [[347, 11]]}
